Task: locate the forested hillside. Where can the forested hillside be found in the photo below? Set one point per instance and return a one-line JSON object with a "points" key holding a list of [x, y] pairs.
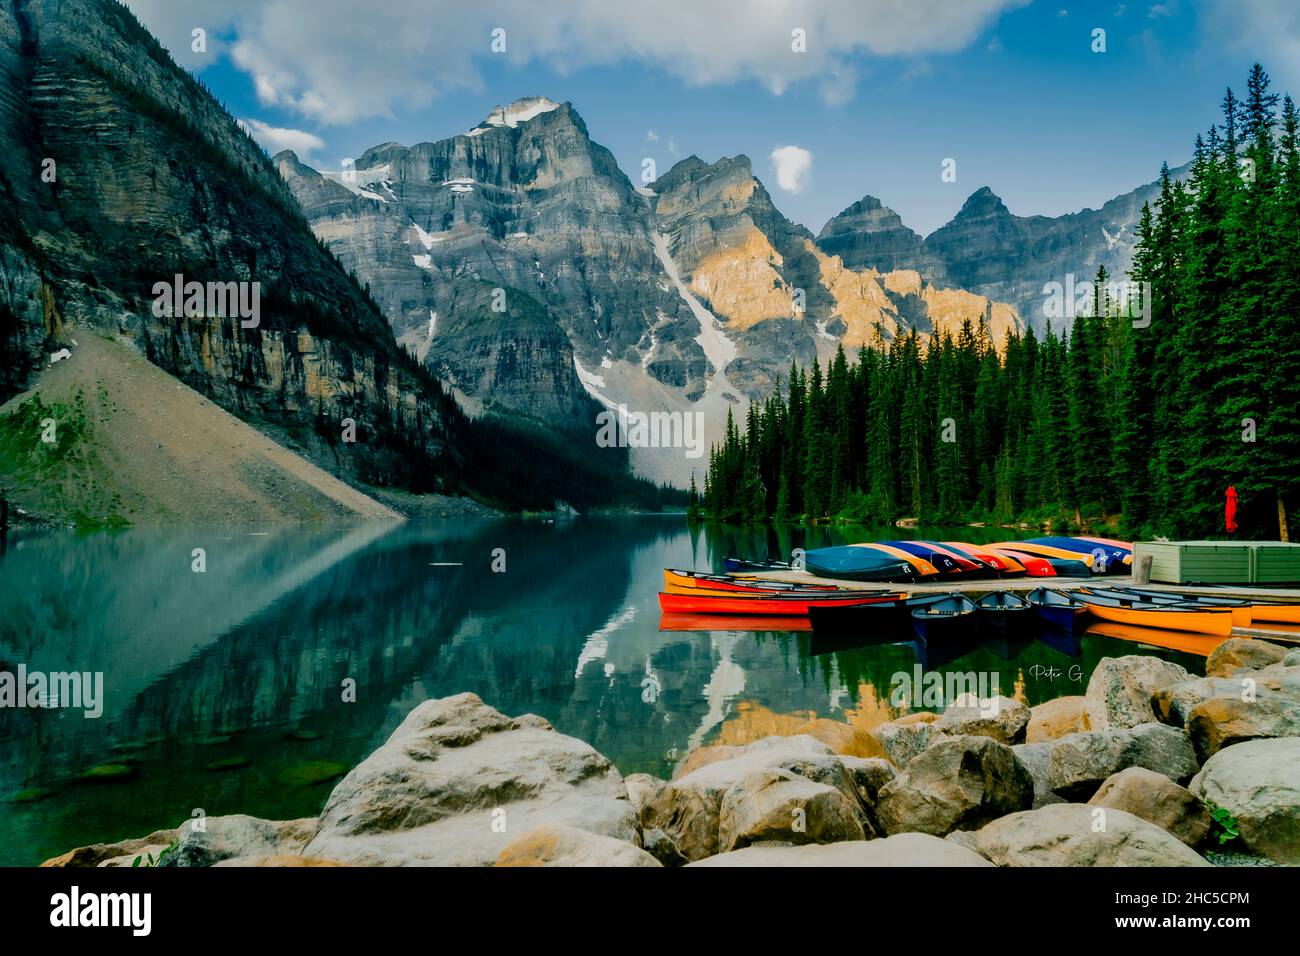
{"points": [[1138, 419]]}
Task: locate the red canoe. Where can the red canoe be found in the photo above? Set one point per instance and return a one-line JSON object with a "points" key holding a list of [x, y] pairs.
{"points": [[1035, 566], [783, 605]]}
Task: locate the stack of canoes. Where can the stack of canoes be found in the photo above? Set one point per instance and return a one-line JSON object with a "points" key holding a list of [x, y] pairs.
{"points": [[930, 560], [1199, 613]]}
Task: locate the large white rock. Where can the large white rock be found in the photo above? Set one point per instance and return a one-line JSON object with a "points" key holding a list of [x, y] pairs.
{"points": [[1074, 834], [1119, 691], [1258, 782], [1002, 718], [558, 845], [903, 849], [458, 781]]}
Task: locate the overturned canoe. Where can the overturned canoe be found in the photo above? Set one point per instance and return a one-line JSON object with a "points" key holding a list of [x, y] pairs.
{"points": [[944, 559], [1034, 566], [1106, 557], [856, 562], [1004, 564], [1066, 562]]}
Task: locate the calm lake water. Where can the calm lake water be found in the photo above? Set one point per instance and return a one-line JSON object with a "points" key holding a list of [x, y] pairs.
{"points": [[224, 690]]}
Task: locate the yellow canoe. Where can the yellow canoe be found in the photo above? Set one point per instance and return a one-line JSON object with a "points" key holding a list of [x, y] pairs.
{"points": [[1277, 613], [1213, 621]]}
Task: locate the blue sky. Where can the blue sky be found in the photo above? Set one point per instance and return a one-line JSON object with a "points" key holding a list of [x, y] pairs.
{"points": [[1012, 91]]}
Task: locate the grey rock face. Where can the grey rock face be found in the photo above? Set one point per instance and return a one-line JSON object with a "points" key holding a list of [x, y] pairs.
{"points": [[1072, 834], [1080, 763], [870, 235]]}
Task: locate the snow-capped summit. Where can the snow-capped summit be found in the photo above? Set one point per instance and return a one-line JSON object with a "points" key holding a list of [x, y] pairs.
{"points": [[520, 111]]}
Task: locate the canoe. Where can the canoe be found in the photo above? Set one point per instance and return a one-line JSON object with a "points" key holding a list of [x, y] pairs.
{"points": [[1106, 558], [940, 557], [1055, 555], [887, 617], [1241, 610], [1058, 610], [1259, 611], [741, 564], [690, 581], [857, 563], [1034, 566], [950, 618], [762, 605], [1003, 563], [1004, 613], [1170, 617], [719, 622], [1076, 566]]}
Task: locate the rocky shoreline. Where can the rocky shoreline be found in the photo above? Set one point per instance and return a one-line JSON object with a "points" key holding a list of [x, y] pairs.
{"points": [[1152, 766]]}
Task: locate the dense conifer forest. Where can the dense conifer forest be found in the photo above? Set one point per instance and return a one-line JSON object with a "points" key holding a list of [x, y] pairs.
{"points": [[1166, 389]]}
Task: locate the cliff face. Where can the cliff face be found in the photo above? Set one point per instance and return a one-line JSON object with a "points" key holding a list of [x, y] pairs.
{"points": [[151, 178], [689, 295]]}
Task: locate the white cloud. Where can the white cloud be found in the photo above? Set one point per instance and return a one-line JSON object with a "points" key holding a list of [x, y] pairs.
{"points": [[651, 136], [1266, 30], [792, 165], [277, 138], [325, 60]]}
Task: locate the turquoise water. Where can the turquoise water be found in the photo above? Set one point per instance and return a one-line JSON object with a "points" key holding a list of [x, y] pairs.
{"points": [[224, 690]]}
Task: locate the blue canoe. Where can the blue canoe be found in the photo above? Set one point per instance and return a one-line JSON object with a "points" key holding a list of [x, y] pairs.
{"points": [[941, 557], [952, 617], [1107, 558], [857, 563], [1058, 610]]}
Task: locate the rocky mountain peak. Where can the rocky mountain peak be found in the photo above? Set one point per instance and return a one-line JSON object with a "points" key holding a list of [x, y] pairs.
{"points": [[982, 202], [520, 111]]}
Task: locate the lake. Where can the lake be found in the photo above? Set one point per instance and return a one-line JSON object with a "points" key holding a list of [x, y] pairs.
{"points": [[249, 687]]}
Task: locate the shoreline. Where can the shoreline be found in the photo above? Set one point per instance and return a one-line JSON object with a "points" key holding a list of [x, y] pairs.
{"points": [[1166, 760]]}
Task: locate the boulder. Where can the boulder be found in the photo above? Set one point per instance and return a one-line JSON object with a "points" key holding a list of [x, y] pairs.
{"points": [[1001, 718], [1036, 758], [780, 805], [1119, 691], [98, 853], [661, 846], [1054, 719], [842, 738], [457, 781], [690, 808], [1241, 652], [1223, 721], [556, 844], [1073, 834], [144, 854], [1173, 703], [1258, 782], [1156, 799], [279, 861], [1080, 763], [903, 849], [957, 784], [641, 788], [903, 741], [210, 840]]}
